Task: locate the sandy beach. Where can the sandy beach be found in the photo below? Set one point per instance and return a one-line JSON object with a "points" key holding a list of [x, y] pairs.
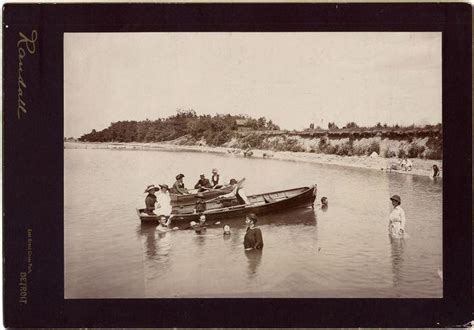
{"points": [[420, 166]]}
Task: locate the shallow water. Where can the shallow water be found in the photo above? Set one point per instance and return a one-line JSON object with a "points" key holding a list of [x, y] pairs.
{"points": [[342, 252]]}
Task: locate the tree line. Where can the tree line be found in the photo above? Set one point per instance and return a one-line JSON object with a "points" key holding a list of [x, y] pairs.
{"points": [[215, 130]]}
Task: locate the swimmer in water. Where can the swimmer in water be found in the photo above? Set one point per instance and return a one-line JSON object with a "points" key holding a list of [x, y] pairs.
{"points": [[163, 225], [226, 230]]}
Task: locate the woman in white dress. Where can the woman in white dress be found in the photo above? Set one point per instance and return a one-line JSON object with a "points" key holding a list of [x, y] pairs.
{"points": [[164, 200], [396, 225]]}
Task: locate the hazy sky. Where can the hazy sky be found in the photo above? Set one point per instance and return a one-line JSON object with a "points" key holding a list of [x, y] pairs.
{"points": [[292, 78]]}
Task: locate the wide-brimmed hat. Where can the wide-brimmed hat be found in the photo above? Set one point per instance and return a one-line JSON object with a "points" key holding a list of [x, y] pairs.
{"points": [[151, 187], [396, 198], [179, 176], [164, 186]]}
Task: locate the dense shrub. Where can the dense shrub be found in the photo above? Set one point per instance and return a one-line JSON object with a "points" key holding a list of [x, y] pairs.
{"points": [[374, 146], [252, 140], [331, 149], [390, 153], [346, 149], [323, 143], [415, 151], [401, 153], [435, 148]]}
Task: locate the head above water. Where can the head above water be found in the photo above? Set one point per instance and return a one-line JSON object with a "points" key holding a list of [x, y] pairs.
{"points": [[226, 229], [202, 218], [324, 200], [396, 200], [162, 219]]}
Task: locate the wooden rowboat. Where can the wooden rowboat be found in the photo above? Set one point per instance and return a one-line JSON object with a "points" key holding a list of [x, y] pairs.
{"points": [[272, 202], [177, 199]]}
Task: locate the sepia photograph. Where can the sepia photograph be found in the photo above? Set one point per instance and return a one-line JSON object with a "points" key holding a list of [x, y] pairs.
{"points": [[253, 165]]}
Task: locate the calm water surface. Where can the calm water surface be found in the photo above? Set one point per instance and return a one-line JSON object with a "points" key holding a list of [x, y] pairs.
{"points": [[341, 252]]}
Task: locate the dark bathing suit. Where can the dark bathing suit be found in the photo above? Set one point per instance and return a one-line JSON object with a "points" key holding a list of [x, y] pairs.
{"points": [[253, 238]]}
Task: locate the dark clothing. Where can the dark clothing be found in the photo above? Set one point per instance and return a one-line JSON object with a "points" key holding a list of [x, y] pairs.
{"points": [[253, 238], [150, 201], [200, 206], [202, 183], [200, 228], [178, 188], [215, 180]]}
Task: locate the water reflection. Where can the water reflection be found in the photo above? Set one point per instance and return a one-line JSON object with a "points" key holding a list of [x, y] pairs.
{"points": [[254, 258], [157, 244], [148, 231], [397, 249], [306, 216]]}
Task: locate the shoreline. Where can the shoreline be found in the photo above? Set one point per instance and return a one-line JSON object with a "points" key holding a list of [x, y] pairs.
{"points": [[421, 167]]}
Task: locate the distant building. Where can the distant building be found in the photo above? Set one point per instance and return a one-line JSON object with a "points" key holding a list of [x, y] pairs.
{"points": [[243, 125]]}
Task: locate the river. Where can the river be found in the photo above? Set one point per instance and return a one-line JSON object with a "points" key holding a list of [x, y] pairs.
{"points": [[341, 252]]}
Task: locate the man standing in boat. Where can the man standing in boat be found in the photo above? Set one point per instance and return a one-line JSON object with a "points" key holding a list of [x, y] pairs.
{"points": [[253, 237], [150, 199], [178, 187]]}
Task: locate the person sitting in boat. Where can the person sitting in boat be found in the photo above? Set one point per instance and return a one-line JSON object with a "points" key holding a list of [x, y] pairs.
{"points": [[178, 187], [200, 203], [253, 237], [164, 200], [203, 184], [150, 199], [237, 192], [215, 179], [164, 224]]}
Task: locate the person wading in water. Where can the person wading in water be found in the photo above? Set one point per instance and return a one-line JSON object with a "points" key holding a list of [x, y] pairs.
{"points": [[253, 237]]}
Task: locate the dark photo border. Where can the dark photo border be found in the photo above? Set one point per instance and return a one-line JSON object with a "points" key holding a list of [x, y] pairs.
{"points": [[33, 165]]}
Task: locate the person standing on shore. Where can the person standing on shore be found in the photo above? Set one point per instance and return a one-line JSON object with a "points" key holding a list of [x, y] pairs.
{"points": [[253, 237], [150, 199], [178, 187], [396, 225]]}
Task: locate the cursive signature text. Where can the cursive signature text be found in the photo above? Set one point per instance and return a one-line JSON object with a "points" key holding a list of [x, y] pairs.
{"points": [[28, 43]]}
